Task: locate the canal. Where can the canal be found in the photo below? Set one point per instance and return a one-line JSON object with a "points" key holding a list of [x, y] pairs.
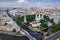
{"points": [[10, 37]]}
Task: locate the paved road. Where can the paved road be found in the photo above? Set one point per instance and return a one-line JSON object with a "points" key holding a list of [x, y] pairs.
{"points": [[54, 37]]}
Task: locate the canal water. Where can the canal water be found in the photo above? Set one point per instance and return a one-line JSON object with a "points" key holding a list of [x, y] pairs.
{"points": [[9, 37]]}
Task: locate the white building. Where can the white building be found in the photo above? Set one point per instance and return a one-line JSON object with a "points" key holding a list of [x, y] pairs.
{"points": [[49, 23], [35, 24], [56, 20], [38, 17]]}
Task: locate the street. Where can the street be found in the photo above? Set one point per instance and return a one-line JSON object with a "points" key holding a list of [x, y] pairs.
{"points": [[54, 37]]}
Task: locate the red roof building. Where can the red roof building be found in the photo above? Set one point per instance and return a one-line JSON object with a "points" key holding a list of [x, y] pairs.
{"points": [[35, 24]]}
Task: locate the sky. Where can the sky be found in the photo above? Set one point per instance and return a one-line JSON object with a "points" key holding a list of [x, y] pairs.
{"points": [[29, 3]]}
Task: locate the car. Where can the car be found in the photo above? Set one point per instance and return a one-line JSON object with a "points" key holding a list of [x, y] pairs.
{"points": [[58, 38]]}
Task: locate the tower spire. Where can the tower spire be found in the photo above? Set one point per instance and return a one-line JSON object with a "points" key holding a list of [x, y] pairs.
{"points": [[25, 19]]}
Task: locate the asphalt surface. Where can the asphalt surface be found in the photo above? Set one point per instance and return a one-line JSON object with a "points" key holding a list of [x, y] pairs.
{"points": [[54, 37]]}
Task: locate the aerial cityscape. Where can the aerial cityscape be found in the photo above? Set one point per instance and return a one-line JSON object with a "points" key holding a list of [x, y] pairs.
{"points": [[29, 19]]}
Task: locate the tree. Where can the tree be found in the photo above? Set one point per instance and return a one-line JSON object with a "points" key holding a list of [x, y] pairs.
{"points": [[56, 27], [42, 21], [27, 23], [46, 18], [44, 25], [30, 18], [14, 30], [20, 19], [5, 23], [52, 21]]}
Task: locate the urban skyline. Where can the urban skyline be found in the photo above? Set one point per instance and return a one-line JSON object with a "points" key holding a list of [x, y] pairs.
{"points": [[29, 3]]}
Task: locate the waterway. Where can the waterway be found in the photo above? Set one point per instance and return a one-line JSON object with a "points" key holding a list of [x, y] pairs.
{"points": [[9, 37]]}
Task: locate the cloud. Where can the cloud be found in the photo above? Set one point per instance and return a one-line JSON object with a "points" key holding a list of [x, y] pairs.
{"points": [[20, 1], [28, 3]]}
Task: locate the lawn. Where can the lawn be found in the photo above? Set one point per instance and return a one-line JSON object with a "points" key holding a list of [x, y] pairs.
{"points": [[42, 28]]}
